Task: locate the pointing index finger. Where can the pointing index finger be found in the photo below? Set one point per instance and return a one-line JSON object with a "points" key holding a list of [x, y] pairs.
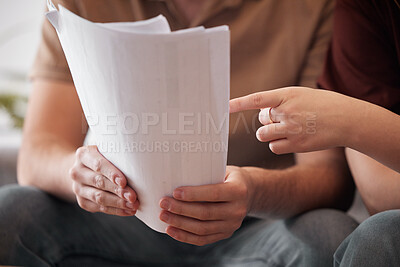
{"points": [[257, 100]]}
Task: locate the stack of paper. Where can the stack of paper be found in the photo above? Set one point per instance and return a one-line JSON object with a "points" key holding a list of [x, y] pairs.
{"points": [[156, 101]]}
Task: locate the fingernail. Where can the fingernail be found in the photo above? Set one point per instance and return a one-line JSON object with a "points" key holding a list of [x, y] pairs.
{"points": [[129, 205], [118, 181], [127, 196], [178, 194], [164, 217], [165, 204]]}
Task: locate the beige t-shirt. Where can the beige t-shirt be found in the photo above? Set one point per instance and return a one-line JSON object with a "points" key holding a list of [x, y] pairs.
{"points": [[274, 43]]}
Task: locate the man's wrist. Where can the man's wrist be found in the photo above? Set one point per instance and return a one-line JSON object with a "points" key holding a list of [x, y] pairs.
{"points": [[263, 183], [250, 183]]}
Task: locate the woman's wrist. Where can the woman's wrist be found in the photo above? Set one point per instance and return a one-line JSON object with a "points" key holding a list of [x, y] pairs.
{"points": [[358, 123], [352, 122]]}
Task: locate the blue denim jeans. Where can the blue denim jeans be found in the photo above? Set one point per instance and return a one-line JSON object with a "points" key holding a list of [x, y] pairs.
{"points": [[37, 229], [376, 242]]}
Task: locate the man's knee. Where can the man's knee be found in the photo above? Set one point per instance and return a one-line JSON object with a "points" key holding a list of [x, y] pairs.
{"points": [[16, 200], [375, 242], [24, 215], [17, 206], [20, 202]]}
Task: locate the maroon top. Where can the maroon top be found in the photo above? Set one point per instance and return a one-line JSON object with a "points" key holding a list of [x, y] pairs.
{"points": [[363, 60]]}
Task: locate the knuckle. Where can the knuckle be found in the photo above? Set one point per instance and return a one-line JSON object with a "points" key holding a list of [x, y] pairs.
{"points": [[302, 143], [202, 229], [75, 188], [92, 148], [97, 164], [121, 203], [73, 173], [80, 152], [239, 214], [103, 208], [257, 99], [112, 174], [285, 114], [175, 222], [281, 114], [292, 91], [82, 204], [212, 228], [242, 191], [176, 208], [99, 198], [274, 130], [118, 191], [242, 212], [205, 214], [295, 129], [99, 181]]}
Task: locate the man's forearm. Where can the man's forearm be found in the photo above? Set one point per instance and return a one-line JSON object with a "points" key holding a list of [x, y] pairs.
{"points": [[44, 163], [318, 180]]}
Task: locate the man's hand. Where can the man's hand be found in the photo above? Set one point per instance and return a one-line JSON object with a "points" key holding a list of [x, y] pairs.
{"points": [[99, 186], [205, 214]]}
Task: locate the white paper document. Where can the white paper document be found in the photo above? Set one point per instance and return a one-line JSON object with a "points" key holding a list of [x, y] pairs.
{"points": [[156, 101]]}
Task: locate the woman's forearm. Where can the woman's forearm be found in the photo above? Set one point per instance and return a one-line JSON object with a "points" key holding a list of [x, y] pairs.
{"points": [[299, 119], [375, 132], [377, 184]]}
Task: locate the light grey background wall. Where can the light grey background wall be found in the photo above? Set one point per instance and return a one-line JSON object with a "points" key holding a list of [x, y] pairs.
{"points": [[20, 22], [19, 36]]}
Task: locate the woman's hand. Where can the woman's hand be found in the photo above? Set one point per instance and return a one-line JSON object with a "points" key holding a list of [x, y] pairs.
{"points": [[299, 119], [99, 186], [205, 214]]}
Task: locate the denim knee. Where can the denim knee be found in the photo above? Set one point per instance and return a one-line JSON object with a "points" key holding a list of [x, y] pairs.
{"points": [[16, 204], [374, 243], [322, 231], [23, 220]]}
